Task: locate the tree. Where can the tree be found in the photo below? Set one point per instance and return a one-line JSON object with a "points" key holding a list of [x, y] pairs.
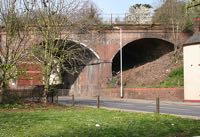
{"points": [[193, 3], [14, 36], [193, 9], [173, 15], [88, 15], [55, 52], [171, 12], [139, 14]]}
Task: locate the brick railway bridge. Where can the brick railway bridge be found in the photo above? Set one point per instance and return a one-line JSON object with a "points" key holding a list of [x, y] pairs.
{"points": [[139, 42]]}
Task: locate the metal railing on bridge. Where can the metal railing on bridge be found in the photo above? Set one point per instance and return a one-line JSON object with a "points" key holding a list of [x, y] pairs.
{"points": [[117, 18]]}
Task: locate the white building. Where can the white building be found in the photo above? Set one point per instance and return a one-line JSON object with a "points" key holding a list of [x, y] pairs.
{"points": [[192, 69]]}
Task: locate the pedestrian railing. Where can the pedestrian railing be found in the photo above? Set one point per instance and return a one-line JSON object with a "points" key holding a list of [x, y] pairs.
{"points": [[124, 19]]}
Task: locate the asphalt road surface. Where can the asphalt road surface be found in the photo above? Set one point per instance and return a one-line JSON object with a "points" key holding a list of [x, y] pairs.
{"points": [[177, 108]]}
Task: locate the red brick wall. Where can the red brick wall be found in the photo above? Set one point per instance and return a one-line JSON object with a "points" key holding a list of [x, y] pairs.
{"points": [[32, 75], [165, 94]]}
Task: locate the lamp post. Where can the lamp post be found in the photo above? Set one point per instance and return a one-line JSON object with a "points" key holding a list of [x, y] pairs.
{"points": [[121, 65]]}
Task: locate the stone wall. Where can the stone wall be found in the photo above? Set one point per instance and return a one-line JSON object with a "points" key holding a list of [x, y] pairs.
{"points": [[165, 94]]}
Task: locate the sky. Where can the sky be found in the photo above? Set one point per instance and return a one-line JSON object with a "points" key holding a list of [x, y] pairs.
{"points": [[119, 6]]}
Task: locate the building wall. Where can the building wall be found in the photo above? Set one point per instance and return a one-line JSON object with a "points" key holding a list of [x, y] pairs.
{"points": [[32, 75], [192, 73]]}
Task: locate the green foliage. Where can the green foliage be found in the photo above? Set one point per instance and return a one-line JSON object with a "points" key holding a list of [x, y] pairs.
{"points": [[113, 82], [12, 106], [193, 10], [10, 98], [193, 3], [189, 26], [174, 79], [87, 122], [174, 12], [140, 5]]}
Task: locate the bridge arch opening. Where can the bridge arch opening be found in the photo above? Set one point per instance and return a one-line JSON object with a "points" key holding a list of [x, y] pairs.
{"points": [[65, 74], [139, 52], [86, 57]]}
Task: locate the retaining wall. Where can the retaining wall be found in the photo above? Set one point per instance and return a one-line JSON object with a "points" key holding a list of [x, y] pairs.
{"points": [[165, 94]]}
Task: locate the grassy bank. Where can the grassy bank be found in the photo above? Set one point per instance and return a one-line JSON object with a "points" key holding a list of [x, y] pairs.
{"points": [[88, 122], [174, 79]]}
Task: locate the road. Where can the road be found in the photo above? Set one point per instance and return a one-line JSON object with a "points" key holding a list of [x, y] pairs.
{"points": [[177, 108]]}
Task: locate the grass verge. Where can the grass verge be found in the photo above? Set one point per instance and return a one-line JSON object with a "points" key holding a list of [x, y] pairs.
{"points": [[89, 122]]}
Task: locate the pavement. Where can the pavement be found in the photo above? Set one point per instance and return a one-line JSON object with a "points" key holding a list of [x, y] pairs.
{"points": [[183, 109]]}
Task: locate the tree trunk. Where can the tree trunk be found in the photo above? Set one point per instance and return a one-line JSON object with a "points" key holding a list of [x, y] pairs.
{"points": [[5, 95], [44, 98], [4, 89]]}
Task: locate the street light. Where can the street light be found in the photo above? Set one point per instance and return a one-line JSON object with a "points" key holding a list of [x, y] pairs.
{"points": [[120, 47]]}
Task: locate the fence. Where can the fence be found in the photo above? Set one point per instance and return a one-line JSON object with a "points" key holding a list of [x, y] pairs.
{"points": [[124, 19], [27, 93], [34, 93]]}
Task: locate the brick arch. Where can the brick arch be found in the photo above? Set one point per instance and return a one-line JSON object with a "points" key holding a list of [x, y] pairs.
{"points": [[38, 41], [169, 40], [89, 48], [135, 40], [139, 52]]}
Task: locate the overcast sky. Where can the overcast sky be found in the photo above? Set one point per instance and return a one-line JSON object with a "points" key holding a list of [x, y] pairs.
{"points": [[120, 6]]}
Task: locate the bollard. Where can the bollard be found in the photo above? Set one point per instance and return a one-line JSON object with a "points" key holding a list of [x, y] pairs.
{"points": [[73, 101], [52, 99], [57, 98], [157, 105], [111, 19], [98, 101]]}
